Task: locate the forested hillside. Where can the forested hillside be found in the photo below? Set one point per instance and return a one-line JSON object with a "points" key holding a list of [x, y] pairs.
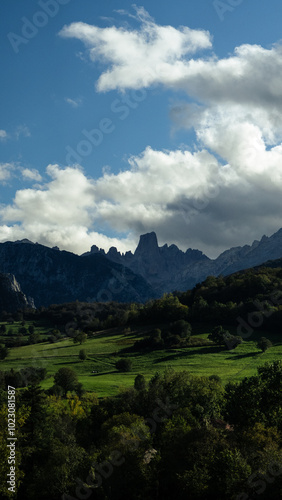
{"points": [[177, 436], [166, 432]]}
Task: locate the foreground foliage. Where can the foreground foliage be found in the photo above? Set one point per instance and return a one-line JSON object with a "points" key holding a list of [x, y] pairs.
{"points": [[179, 436]]}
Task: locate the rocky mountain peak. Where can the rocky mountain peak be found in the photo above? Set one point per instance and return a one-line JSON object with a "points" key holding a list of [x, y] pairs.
{"points": [[25, 240], [148, 244], [113, 251], [95, 249]]}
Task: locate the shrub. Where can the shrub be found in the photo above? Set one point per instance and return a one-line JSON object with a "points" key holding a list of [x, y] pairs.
{"points": [[140, 382], [3, 329], [181, 328], [216, 378], [22, 330], [82, 355], [3, 351], [124, 365], [264, 344], [67, 379]]}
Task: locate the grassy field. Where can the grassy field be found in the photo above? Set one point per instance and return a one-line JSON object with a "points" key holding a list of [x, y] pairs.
{"points": [[107, 347]]}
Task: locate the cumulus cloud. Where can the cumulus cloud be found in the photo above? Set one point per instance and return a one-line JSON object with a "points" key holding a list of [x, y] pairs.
{"points": [[190, 199], [165, 55], [137, 58], [235, 111], [31, 174], [224, 192], [60, 213]]}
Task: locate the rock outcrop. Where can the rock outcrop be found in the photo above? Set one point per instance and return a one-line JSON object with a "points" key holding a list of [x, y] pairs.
{"points": [[11, 296]]}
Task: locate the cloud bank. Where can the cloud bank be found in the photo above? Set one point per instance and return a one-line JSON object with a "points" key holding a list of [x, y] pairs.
{"points": [[184, 196], [223, 192]]}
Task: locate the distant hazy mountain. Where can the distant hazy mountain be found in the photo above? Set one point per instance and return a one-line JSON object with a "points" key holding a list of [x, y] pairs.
{"points": [[52, 276], [167, 268], [11, 296]]}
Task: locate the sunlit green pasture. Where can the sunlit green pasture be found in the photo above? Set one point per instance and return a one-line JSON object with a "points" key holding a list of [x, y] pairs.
{"points": [[105, 348]]}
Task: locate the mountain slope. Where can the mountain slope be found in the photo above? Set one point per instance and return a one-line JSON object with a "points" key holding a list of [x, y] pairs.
{"points": [[160, 266], [167, 268], [53, 276], [11, 296]]}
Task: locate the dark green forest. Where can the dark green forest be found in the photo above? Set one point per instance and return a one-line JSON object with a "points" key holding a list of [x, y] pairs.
{"points": [[177, 436], [248, 300], [174, 436]]}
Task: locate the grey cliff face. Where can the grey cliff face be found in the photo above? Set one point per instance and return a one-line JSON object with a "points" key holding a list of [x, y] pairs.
{"points": [[11, 295]]}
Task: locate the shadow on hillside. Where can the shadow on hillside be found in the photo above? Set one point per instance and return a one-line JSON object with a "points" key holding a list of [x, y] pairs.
{"points": [[247, 355], [192, 350], [103, 373], [131, 349], [112, 332], [186, 354], [68, 362], [55, 348]]}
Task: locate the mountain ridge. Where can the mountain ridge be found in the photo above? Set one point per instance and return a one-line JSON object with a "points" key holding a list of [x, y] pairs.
{"points": [[167, 268], [50, 275], [53, 276]]}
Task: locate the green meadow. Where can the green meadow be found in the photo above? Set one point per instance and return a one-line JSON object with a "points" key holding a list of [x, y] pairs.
{"points": [[105, 348]]}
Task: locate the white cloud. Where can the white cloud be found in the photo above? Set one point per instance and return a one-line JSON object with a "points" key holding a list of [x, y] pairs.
{"points": [[224, 193], [188, 198], [6, 170], [138, 57], [31, 174], [3, 135], [60, 213], [156, 54], [140, 14], [193, 200], [235, 108], [22, 131], [75, 103]]}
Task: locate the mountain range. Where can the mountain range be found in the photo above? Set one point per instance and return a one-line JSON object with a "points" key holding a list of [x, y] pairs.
{"points": [[48, 275], [167, 268], [51, 276]]}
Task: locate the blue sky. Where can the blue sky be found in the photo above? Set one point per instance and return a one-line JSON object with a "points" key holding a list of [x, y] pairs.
{"points": [[119, 119]]}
